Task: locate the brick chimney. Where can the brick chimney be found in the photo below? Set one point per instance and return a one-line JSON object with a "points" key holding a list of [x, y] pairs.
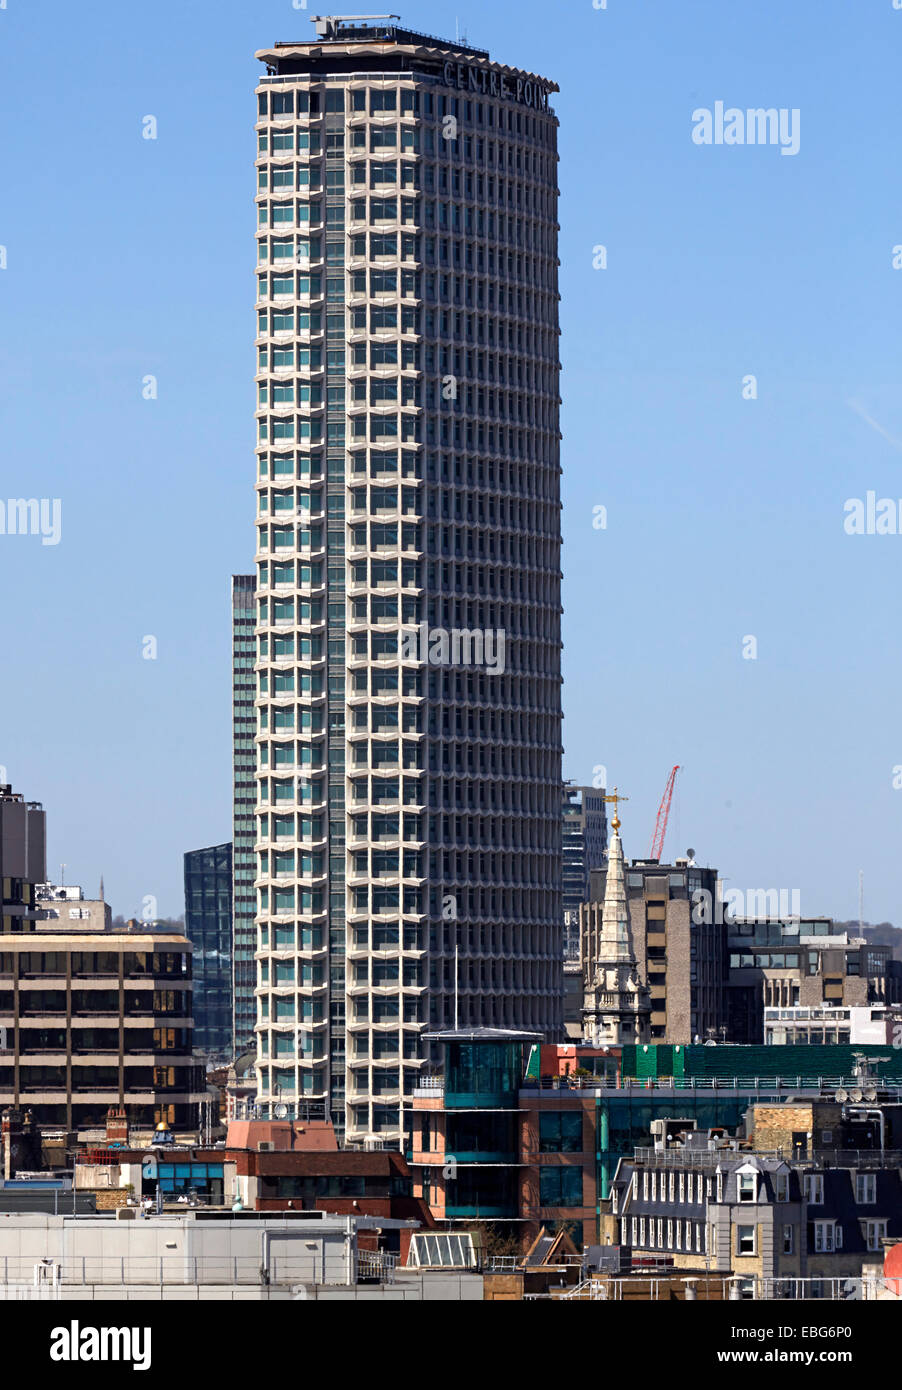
{"points": [[117, 1126]]}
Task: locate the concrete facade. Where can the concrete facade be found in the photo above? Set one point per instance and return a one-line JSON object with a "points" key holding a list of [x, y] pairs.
{"points": [[66, 907], [95, 1020]]}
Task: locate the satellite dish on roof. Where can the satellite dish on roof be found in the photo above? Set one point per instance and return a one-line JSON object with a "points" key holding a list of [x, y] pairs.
{"points": [[842, 1095], [857, 1094], [280, 1110], [870, 1093]]}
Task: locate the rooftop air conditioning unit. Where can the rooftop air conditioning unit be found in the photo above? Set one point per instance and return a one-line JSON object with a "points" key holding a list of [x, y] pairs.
{"points": [[371, 1144], [266, 1146]]}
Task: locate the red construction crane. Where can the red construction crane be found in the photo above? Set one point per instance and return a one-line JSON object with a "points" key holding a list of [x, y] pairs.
{"points": [[657, 844]]}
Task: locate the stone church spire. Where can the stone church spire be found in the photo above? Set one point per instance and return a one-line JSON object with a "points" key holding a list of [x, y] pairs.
{"points": [[615, 945], [617, 1005]]}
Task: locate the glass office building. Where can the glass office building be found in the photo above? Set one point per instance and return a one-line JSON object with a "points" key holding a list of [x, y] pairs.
{"points": [[585, 839], [408, 564], [208, 926]]}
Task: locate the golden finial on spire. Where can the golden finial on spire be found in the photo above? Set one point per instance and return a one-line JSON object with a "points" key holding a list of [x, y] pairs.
{"points": [[616, 798]]}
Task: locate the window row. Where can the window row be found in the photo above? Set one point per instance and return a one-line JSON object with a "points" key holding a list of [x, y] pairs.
{"points": [[510, 158], [279, 1082], [520, 190], [408, 100], [298, 972], [378, 244], [379, 899], [131, 963], [381, 460], [283, 900], [379, 319], [276, 827], [525, 229], [289, 1008], [385, 973], [668, 1234], [407, 1009], [309, 684]]}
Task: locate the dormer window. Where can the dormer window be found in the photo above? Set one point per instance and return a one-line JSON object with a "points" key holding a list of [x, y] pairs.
{"points": [[748, 1187], [814, 1188]]}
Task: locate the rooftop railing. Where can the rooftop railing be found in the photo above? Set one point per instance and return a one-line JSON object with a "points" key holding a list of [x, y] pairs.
{"points": [[509, 1264], [826, 1086], [189, 1269], [371, 77], [816, 1085], [819, 1084], [376, 1267], [678, 1157], [690, 1157], [663, 1283]]}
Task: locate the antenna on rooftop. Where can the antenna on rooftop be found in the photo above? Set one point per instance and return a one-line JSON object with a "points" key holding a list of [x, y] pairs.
{"points": [[861, 900]]}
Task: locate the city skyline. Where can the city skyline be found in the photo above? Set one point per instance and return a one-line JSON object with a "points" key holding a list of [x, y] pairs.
{"points": [[655, 348], [451, 481]]}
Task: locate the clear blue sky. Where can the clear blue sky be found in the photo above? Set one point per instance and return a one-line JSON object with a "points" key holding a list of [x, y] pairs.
{"points": [[128, 257]]}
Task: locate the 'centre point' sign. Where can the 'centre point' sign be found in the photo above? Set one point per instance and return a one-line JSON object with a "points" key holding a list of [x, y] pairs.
{"points": [[487, 83]]}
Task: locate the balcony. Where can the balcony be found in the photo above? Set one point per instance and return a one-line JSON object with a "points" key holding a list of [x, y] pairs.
{"points": [[430, 1088]]}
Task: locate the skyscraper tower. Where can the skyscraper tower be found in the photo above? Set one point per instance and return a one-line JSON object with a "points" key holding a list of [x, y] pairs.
{"points": [[408, 563]]}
